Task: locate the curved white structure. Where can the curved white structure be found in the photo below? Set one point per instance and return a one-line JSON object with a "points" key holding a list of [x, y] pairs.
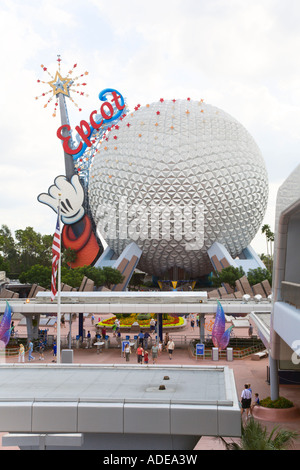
{"points": [[174, 177]]}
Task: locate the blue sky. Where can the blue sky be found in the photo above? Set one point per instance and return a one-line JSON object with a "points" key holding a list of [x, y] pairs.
{"points": [[242, 57]]}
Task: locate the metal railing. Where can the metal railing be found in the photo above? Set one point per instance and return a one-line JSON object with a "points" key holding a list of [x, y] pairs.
{"points": [[290, 293]]}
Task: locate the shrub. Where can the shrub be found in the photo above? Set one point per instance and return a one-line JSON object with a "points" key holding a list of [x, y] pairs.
{"points": [[281, 402], [144, 316]]}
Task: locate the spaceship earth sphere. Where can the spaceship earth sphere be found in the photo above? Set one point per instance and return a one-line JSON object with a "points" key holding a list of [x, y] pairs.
{"points": [[175, 176]]}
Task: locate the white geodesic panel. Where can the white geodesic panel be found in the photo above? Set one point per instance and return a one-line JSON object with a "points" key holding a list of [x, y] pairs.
{"points": [[174, 170]]}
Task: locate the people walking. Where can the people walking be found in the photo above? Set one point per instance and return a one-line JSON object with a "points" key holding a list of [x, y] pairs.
{"points": [[21, 353], [152, 325], [154, 352], [30, 350], [146, 339], [167, 338], [141, 338], [54, 351], [140, 353], [246, 400], [170, 347], [127, 351], [41, 350], [146, 357], [88, 340], [255, 403]]}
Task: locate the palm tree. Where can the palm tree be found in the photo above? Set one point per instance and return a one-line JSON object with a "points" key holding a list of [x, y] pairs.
{"points": [[270, 239], [255, 437]]}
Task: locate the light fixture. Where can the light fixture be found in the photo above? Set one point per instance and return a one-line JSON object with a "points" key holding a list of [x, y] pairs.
{"points": [[258, 298], [246, 297]]}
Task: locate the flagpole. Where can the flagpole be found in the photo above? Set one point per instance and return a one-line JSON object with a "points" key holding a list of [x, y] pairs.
{"points": [[58, 289]]}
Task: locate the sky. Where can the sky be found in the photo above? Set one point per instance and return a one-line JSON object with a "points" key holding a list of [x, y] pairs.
{"points": [[241, 56]]}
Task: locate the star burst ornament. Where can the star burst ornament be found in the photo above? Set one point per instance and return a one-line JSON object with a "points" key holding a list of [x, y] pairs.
{"points": [[62, 84]]}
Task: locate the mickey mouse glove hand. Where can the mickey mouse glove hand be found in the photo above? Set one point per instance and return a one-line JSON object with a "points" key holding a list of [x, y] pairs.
{"points": [[72, 197]]}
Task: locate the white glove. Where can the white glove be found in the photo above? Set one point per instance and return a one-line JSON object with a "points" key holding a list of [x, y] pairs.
{"points": [[71, 195]]}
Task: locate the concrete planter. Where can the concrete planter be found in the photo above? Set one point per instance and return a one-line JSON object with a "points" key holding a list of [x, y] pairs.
{"points": [[276, 414]]}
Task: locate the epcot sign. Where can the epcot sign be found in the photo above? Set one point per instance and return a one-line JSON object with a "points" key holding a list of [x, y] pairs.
{"points": [[85, 129]]}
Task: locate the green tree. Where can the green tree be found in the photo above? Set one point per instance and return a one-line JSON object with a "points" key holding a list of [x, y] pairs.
{"points": [[37, 274], [269, 239], [137, 279], [228, 276], [256, 437], [69, 256], [267, 260], [258, 275], [45, 250], [26, 249], [4, 265], [112, 276], [93, 273], [8, 248], [72, 277], [30, 247]]}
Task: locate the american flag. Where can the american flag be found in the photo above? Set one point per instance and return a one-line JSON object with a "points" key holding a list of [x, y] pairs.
{"points": [[55, 258]]}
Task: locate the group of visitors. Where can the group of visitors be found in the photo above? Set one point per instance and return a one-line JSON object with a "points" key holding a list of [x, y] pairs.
{"points": [[246, 401], [41, 349], [169, 345], [143, 355]]}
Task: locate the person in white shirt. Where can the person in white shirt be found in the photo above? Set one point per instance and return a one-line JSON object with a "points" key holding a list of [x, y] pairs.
{"points": [[170, 347], [246, 397]]}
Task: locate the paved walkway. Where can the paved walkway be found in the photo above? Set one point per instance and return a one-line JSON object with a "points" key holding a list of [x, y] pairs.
{"points": [[245, 370]]}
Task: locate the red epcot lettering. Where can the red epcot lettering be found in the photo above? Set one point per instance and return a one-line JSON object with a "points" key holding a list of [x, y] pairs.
{"points": [[66, 139]]}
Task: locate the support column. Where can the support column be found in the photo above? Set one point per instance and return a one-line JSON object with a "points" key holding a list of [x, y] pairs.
{"points": [[201, 324], [160, 326], [32, 322], [70, 331], [274, 380], [80, 325]]}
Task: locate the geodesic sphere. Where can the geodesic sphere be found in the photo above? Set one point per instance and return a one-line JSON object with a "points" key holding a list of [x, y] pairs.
{"points": [[174, 177]]}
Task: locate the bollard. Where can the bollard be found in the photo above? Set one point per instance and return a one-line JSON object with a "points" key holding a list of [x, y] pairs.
{"points": [[229, 354], [215, 354], [67, 356]]}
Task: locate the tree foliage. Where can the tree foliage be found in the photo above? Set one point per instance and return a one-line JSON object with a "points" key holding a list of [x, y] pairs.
{"points": [[41, 275], [228, 276], [256, 437], [26, 249], [28, 255], [258, 275]]}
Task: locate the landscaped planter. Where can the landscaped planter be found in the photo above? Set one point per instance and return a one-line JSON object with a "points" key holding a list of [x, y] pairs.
{"points": [[276, 414], [175, 322]]}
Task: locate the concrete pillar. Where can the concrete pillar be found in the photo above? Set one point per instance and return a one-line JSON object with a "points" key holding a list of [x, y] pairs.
{"points": [[202, 330], [160, 326], [70, 331], [274, 379], [33, 322], [80, 325]]}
